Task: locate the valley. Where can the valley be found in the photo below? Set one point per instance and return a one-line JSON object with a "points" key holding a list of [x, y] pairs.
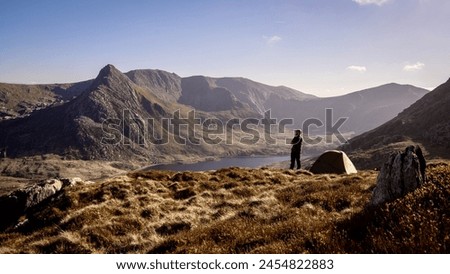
{"points": [[114, 137]]}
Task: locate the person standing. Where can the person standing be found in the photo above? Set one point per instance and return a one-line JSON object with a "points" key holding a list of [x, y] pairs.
{"points": [[3, 153], [296, 149]]}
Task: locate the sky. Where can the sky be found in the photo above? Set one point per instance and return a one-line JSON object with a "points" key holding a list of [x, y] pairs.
{"points": [[322, 47]]}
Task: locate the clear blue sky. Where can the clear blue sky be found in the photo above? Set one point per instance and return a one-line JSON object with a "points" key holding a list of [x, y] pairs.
{"points": [[324, 47]]}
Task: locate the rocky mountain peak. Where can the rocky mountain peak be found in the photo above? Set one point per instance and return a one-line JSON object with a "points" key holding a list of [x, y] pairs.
{"points": [[108, 69], [109, 74]]}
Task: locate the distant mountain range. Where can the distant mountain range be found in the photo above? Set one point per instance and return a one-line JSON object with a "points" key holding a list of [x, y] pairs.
{"points": [[364, 110], [68, 119], [425, 123], [222, 94]]}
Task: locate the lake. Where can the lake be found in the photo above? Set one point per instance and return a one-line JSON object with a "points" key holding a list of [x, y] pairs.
{"points": [[247, 161]]}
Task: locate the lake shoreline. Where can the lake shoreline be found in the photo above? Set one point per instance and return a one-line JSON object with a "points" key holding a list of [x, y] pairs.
{"points": [[214, 163]]}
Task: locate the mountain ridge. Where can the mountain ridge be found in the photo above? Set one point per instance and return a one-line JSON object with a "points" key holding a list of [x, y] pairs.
{"points": [[131, 113], [364, 109], [425, 123], [75, 127]]}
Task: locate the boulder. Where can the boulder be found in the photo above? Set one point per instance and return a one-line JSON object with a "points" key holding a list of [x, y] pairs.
{"points": [[401, 174], [69, 182], [17, 203], [35, 194]]}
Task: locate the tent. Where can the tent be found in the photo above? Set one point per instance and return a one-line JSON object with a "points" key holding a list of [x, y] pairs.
{"points": [[333, 161]]}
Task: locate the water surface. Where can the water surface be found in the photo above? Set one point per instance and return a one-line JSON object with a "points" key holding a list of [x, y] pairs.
{"points": [[247, 161]]}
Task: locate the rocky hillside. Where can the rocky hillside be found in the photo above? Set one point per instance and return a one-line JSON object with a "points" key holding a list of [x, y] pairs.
{"points": [[133, 115], [222, 94], [235, 211], [164, 85], [75, 128], [258, 96], [425, 122], [22, 100], [202, 94]]}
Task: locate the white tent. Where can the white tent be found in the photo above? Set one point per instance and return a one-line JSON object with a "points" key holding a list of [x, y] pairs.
{"points": [[333, 161]]}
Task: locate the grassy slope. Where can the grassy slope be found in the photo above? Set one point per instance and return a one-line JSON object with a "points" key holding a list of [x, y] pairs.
{"points": [[237, 211]]}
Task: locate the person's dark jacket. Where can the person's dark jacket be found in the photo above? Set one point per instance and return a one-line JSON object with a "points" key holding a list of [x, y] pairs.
{"points": [[296, 144]]}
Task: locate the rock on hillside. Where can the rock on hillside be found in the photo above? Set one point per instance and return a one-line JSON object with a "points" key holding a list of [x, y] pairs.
{"points": [[401, 174], [19, 202]]}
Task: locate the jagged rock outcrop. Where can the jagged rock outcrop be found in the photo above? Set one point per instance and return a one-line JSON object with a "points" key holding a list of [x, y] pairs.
{"points": [[401, 174], [17, 203]]}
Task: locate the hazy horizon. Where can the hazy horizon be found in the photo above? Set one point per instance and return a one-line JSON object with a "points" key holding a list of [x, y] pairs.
{"points": [[325, 47]]}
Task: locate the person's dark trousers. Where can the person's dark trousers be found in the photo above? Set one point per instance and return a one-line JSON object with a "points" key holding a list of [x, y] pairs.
{"points": [[295, 157]]}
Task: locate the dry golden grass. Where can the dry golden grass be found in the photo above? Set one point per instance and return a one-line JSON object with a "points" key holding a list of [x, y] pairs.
{"points": [[236, 211], [416, 223]]}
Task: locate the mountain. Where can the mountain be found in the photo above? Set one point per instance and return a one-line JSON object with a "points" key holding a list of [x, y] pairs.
{"points": [[425, 123], [125, 115], [166, 86], [202, 94], [364, 110], [222, 94], [118, 117], [75, 128], [259, 96], [21, 100]]}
